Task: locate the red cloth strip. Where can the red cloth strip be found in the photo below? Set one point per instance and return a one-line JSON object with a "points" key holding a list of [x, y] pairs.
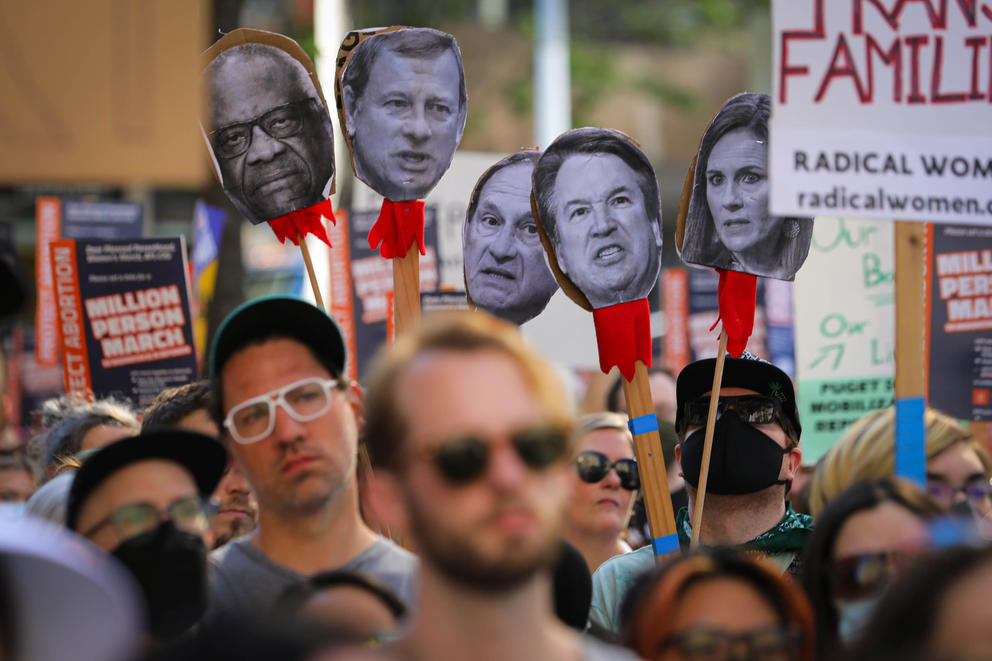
{"points": [[623, 333], [309, 220], [399, 224], [736, 296]]}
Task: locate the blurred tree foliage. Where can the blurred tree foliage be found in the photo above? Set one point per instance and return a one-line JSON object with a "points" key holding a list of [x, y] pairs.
{"points": [[662, 22], [594, 26]]}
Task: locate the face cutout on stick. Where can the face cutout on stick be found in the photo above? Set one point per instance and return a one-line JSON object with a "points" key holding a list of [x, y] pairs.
{"points": [[505, 271], [598, 206], [724, 220], [402, 105], [267, 127]]}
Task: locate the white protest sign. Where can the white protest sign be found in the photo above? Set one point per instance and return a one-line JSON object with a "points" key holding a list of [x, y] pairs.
{"points": [[882, 109], [844, 312]]}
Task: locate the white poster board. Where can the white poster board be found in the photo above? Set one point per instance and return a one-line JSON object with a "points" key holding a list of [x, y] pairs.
{"points": [[845, 336], [882, 110]]}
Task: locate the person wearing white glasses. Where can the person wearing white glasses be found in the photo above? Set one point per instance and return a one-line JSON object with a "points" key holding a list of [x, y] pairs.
{"points": [[291, 421]]}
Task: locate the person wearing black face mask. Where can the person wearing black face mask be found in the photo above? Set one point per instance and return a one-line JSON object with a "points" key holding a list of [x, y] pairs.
{"points": [[141, 499], [755, 456]]}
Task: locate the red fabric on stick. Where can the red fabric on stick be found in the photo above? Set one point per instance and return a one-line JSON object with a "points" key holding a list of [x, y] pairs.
{"points": [[309, 220], [399, 224], [623, 333], [736, 296]]}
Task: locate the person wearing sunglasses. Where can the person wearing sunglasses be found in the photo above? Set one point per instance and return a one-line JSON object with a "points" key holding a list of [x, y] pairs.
{"points": [[951, 623], [469, 435], [755, 455], [291, 419], [957, 471], [864, 538], [142, 500], [604, 484], [718, 604], [188, 407]]}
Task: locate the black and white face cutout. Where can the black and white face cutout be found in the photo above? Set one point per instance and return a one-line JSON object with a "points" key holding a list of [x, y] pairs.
{"points": [[403, 107], [728, 224], [505, 271], [267, 129], [599, 206]]}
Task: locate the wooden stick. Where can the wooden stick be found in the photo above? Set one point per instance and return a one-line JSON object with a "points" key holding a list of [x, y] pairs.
{"points": [[704, 470], [309, 265], [406, 288], [910, 351], [651, 462]]}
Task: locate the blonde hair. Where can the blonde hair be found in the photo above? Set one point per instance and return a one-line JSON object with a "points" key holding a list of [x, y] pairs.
{"points": [[453, 332], [602, 420], [866, 451]]}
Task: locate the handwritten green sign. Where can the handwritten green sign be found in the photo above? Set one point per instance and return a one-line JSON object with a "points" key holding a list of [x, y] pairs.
{"points": [[845, 337]]}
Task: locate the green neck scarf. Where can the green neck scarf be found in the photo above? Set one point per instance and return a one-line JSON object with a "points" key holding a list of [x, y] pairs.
{"points": [[789, 534]]}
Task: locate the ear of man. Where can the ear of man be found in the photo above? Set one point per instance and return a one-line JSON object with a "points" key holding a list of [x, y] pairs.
{"points": [[350, 111], [356, 400]]}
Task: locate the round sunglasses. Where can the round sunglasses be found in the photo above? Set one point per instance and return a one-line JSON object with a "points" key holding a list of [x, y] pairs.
{"points": [[593, 466], [859, 576], [464, 459]]}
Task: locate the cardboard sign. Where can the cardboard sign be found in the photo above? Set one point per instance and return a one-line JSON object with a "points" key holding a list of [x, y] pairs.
{"points": [[959, 302], [506, 273], [402, 105], [101, 91], [845, 334], [123, 317], [882, 110], [267, 127], [724, 219], [598, 207]]}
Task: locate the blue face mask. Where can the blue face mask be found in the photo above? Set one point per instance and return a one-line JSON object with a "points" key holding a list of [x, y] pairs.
{"points": [[12, 509], [852, 616]]}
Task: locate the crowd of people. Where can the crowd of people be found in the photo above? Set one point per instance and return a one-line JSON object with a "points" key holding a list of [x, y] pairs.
{"points": [[456, 507]]}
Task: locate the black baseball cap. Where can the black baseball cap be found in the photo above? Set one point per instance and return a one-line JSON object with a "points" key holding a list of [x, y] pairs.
{"points": [[203, 456], [749, 372], [279, 316]]}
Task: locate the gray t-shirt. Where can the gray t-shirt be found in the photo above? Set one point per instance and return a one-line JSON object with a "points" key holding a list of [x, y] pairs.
{"points": [[245, 580], [596, 650]]}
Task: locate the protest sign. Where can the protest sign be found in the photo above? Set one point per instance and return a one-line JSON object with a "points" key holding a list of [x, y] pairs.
{"points": [[959, 301], [882, 110], [844, 311], [208, 228], [123, 317], [72, 219], [372, 281], [423, 68], [342, 302], [48, 228], [675, 304], [102, 220], [439, 301], [704, 309], [725, 222], [505, 269], [597, 204]]}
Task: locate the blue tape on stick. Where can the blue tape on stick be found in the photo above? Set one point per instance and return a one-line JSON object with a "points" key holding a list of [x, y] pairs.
{"points": [[643, 424], [665, 545], [911, 453]]}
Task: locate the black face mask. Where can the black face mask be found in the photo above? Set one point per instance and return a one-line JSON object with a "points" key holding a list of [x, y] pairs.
{"points": [[171, 568], [743, 460]]}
